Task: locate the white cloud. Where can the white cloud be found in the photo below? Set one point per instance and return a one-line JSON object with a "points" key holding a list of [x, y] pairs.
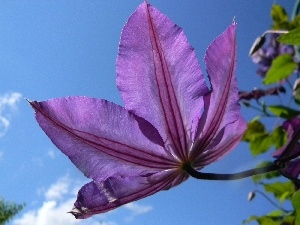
{"points": [[106, 223], [136, 209], [51, 153], [50, 213], [59, 199], [39, 161], [8, 103], [58, 189]]}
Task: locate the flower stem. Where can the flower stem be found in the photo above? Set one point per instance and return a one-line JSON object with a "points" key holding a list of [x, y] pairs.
{"points": [[235, 176]]}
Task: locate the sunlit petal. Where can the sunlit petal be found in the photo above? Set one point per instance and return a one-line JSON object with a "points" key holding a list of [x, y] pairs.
{"points": [[159, 76]]}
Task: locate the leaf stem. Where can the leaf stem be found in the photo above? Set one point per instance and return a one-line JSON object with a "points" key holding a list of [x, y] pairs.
{"points": [[273, 203]]}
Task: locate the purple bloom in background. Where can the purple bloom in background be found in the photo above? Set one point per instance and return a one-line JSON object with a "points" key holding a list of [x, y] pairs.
{"points": [[292, 168], [264, 56], [170, 117], [259, 93]]}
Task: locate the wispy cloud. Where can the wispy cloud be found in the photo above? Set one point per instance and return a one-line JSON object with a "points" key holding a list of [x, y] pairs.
{"points": [[8, 103], [53, 211], [51, 153], [58, 200], [39, 160], [136, 209], [58, 189]]}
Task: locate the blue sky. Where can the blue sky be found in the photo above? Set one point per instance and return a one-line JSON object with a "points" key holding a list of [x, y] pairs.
{"points": [[52, 49]]}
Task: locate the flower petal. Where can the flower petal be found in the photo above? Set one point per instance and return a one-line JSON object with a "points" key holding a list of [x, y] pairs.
{"points": [[292, 169], [221, 104], [102, 196], [291, 149], [291, 126], [102, 139], [159, 77], [223, 143]]}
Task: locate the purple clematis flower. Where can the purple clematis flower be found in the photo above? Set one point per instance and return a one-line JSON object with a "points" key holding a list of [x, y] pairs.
{"points": [[264, 56], [170, 118], [290, 153]]}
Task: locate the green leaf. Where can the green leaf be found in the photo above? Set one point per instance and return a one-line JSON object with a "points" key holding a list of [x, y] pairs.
{"points": [[296, 205], [284, 196], [283, 111], [279, 137], [279, 17], [291, 38], [254, 129], [276, 213], [289, 219], [270, 175], [296, 200], [295, 22], [296, 91], [281, 68], [259, 138], [279, 14], [260, 144], [276, 217], [281, 190], [8, 210]]}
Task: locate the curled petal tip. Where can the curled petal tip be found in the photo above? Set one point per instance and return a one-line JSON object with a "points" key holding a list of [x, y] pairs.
{"points": [[34, 104], [75, 212], [234, 21], [28, 100]]}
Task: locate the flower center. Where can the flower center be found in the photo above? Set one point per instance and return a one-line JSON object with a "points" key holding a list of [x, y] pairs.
{"points": [[184, 165]]}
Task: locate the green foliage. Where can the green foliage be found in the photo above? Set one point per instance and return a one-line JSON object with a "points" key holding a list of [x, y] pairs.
{"points": [[279, 17], [295, 22], [261, 144], [283, 111], [282, 67], [276, 217], [281, 190], [261, 140], [296, 91], [279, 137], [254, 129], [8, 210], [291, 38], [296, 205]]}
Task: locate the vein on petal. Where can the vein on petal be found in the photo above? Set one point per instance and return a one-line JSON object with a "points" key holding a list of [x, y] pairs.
{"points": [[221, 105], [138, 159], [167, 96], [136, 195], [213, 154]]}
